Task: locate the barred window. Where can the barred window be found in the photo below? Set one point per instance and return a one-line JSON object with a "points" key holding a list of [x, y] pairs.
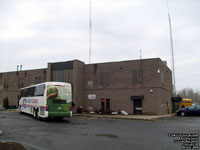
{"points": [[38, 80], [6, 84], [137, 76], [140, 76], [20, 83], [60, 76], [105, 79]]}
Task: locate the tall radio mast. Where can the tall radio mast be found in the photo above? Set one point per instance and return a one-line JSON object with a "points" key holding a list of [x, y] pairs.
{"points": [[172, 52], [90, 32]]}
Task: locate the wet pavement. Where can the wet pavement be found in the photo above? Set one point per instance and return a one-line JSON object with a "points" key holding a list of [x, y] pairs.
{"points": [[88, 133]]}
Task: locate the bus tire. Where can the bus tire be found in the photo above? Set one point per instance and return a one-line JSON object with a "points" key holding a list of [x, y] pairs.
{"points": [[20, 109], [34, 113], [37, 116]]}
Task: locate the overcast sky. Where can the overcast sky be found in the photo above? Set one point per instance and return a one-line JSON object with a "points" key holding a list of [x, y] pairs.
{"points": [[34, 32]]}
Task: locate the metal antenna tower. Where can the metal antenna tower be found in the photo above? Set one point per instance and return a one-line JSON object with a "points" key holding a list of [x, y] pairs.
{"points": [[140, 53], [172, 52], [90, 32]]}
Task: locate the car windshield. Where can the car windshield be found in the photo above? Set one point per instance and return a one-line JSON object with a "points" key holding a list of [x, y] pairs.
{"points": [[197, 106], [191, 107]]}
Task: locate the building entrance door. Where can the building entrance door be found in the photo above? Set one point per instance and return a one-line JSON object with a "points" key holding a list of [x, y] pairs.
{"points": [[107, 105], [102, 105], [137, 106]]}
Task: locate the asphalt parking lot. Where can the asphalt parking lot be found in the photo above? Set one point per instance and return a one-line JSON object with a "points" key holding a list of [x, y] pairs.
{"points": [[88, 133]]}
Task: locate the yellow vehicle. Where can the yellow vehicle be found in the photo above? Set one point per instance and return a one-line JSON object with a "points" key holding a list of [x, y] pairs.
{"points": [[186, 102]]}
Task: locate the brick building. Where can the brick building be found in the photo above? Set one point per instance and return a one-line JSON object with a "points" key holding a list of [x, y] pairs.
{"points": [[137, 86]]}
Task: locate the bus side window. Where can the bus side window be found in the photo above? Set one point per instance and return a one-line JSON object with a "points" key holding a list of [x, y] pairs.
{"points": [[21, 94], [30, 92], [39, 90]]}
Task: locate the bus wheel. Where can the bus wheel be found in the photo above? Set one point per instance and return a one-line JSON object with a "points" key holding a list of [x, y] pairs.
{"points": [[34, 113], [20, 110], [37, 116]]}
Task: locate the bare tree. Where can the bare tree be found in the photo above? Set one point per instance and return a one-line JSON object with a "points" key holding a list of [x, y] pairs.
{"points": [[190, 93]]}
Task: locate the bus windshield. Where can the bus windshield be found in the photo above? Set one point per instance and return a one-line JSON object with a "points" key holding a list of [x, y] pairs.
{"points": [[58, 92]]}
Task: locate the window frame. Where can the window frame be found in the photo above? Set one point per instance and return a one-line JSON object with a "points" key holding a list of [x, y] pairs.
{"points": [[137, 76]]}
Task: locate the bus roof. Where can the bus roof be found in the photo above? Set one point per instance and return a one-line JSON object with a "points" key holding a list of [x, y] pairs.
{"points": [[186, 99], [47, 83]]}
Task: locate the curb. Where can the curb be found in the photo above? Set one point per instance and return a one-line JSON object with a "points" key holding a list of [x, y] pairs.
{"points": [[110, 117], [153, 118]]}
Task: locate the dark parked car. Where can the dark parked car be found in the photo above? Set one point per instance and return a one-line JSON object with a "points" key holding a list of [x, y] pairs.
{"points": [[193, 110]]}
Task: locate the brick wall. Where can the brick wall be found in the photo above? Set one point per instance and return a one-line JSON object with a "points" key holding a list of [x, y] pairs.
{"points": [[114, 81], [27, 78], [156, 85]]}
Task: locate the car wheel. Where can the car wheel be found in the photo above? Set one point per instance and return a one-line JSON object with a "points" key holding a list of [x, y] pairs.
{"points": [[182, 114]]}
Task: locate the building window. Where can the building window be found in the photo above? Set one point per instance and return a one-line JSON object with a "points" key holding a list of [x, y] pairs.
{"points": [[140, 76], [60, 76], [105, 79], [137, 76], [38, 80], [25, 73], [90, 83], [44, 74], [162, 77], [6, 84], [20, 83]]}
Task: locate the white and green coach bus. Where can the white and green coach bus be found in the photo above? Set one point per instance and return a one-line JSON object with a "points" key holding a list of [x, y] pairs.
{"points": [[47, 100]]}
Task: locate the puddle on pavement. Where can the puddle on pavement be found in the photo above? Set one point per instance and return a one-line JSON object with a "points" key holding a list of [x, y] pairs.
{"points": [[107, 135], [77, 123], [157, 120], [85, 134], [85, 118]]}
